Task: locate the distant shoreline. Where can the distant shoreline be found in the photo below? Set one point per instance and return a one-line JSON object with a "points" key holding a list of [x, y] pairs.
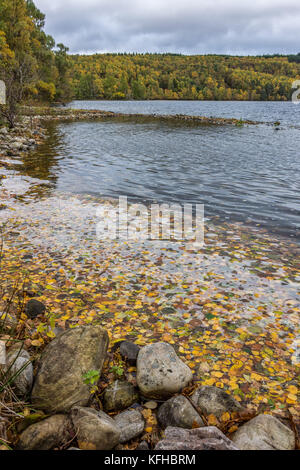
{"points": [[69, 114]]}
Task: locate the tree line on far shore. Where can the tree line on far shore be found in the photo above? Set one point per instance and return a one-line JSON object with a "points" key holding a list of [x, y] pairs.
{"points": [[175, 76]]}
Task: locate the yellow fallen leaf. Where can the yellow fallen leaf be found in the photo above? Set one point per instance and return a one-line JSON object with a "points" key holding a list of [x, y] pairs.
{"points": [[232, 429], [212, 420], [292, 389], [225, 417]]}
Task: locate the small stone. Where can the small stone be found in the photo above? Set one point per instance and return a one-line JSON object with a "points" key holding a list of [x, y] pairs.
{"points": [[179, 412], [151, 405], [143, 446], [34, 308], [131, 423], [47, 434], [160, 372], [95, 429], [213, 400], [119, 395], [264, 432], [129, 351], [206, 438]]}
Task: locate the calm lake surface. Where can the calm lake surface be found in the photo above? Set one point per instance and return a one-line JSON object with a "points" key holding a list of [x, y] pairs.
{"points": [[250, 174]]}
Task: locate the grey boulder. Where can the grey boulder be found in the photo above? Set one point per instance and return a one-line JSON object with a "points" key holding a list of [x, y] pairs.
{"points": [[95, 430], [119, 395], [264, 432], [59, 384], [45, 435], [179, 412], [213, 400], [160, 372], [206, 438], [131, 424]]}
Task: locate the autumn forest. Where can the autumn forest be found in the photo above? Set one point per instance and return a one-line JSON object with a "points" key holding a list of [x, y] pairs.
{"points": [[170, 76]]}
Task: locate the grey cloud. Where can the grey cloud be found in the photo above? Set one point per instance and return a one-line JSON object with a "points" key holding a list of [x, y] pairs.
{"points": [[193, 26]]}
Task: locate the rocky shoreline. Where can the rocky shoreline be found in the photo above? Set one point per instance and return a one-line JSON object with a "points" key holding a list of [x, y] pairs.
{"points": [[155, 406], [68, 114], [23, 138]]}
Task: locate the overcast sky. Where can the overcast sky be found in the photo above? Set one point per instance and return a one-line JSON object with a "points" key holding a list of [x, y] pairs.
{"points": [[186, 26]]}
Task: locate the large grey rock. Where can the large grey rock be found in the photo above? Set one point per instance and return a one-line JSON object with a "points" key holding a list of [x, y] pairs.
{"points": [[213, 400], [21, 368], [160, 372], [207, 438], [179, 412], [59, 383], [119, 395], [131, 423], [45, 435], [264, 432], [95, 429]]}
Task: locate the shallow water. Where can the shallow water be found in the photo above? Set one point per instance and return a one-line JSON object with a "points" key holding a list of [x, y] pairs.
{"points": [[249, 174]]}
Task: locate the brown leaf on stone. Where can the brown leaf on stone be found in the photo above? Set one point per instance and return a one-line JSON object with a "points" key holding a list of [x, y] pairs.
{"points": [[237, 419], [195, 425]]}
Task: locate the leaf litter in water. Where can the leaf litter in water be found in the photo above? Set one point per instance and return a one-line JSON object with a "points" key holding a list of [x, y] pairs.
{"points": [[230, 309]]}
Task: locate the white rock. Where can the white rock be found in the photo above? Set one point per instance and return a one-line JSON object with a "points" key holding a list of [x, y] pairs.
{"points": [[264, 432], [160, 372]]}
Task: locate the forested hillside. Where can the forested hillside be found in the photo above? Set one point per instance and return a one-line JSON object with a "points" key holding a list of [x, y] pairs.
{"points": [[171, 76]]}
